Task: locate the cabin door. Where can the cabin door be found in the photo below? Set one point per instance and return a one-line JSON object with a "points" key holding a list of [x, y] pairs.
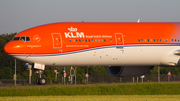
{"points": [[57, 40], [119, 40]]}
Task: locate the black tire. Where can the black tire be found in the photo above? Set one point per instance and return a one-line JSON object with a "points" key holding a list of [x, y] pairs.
{"points": [[37, 81], [42, 81]]}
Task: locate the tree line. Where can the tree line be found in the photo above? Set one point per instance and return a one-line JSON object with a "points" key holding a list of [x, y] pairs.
{"points": [[7, 66]]}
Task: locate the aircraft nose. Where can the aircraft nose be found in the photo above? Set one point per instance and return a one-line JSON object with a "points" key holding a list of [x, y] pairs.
{"points": [[9, 48]]}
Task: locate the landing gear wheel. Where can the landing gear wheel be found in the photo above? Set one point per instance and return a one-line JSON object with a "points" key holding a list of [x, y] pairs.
{"points": [[42, 81], [37, 81]]}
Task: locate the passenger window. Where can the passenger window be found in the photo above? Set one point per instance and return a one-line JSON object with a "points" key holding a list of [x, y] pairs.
{"points": [[92, 40], [142, 40], [104, 40], [145, 40], [148, 40], [163, 40], [166, 40], [89, 40], [172, 39], [98, 40], [79, 40], [76, 40], [160, 40], [69, 40], [175, 39], [151, 40], [178, 40], [101, 40], [154, 40], [157, 40], [82, 40], [139, 40], [73, 40], [95, 40], [86, 40], [111, 40]]}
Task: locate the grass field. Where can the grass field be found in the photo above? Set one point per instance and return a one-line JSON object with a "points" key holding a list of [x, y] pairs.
{"points": [[163, 88], [164, 91], [96, 98]]}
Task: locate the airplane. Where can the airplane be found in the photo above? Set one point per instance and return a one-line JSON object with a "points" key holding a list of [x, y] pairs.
{"points": [[126, 49]]}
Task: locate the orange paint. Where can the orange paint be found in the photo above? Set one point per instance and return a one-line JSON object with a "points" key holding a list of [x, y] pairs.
{"points": [[55, 38]]}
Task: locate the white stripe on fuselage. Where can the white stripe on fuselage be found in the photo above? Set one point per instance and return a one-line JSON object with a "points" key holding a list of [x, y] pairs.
{"points": [[109, 56]]}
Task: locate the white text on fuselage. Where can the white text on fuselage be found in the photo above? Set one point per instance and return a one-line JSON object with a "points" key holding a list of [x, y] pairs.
{"points": [[73, 33]]}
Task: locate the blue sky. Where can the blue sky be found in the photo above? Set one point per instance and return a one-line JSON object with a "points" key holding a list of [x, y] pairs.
{"points": [[18, 15]]}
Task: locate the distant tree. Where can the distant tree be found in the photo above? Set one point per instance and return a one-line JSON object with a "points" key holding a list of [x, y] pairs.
{"points": [[7, 62], [165, 70]]}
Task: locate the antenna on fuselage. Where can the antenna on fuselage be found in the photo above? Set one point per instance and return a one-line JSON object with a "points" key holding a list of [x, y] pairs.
{"points": [[138, 21]]}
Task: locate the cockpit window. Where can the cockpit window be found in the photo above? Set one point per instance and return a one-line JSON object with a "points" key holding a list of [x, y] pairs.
{"points": [[16, 38], [27, 38], [22, 38]]}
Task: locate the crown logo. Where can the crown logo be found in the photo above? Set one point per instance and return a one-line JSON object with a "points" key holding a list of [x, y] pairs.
{"points": [[72, 29]]}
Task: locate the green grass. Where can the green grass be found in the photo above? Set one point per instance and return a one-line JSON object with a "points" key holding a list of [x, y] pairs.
{"points": [[95, 89], [95, 98]]}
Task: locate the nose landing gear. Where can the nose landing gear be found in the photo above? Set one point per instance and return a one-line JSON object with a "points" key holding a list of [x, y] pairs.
{"points": [[39, 67], [40, 80]]}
